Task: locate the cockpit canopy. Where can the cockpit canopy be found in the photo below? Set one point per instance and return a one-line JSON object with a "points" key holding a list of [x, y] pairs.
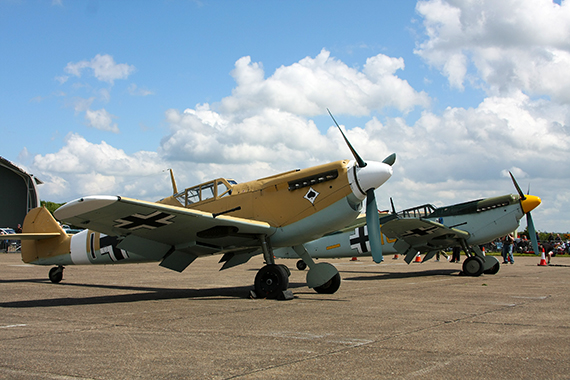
{"points": [[215, 189], [418, 212]]}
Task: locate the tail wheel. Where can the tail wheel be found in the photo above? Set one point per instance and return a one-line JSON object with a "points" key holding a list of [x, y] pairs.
{"points": [[271, 280], [56, 274], [331, 286]]}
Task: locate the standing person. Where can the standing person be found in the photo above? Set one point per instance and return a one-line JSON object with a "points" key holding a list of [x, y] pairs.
{"points": [[508, 249], [455, 255], [504, 249], [438, 253]]}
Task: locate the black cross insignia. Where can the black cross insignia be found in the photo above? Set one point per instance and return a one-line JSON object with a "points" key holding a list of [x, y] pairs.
{"points": [[109, 247], [151, 221], [360, 239], [422, 231]]}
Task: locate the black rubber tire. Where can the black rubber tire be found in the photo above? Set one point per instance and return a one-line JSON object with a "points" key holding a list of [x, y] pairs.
{"points": [[301, 265], [270, 281], [494, 269], [473, 266], [331, 286], [56, 275], [286, 268]]}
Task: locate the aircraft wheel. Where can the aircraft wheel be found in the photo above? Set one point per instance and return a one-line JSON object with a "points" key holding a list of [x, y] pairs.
{"points": [[473, 266], [286, 268], [301, 265], [56, 274], [271, 280], [331, 286], [494, 269]]}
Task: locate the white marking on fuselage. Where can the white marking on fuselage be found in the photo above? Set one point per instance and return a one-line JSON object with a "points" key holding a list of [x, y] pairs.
{"points": [[79, 248]]}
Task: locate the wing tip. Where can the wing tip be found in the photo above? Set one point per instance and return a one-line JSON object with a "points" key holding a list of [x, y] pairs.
{"points": [[84, 205]]}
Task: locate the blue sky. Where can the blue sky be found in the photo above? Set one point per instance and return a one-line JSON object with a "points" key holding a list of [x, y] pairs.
{"points": [[102, 96]]}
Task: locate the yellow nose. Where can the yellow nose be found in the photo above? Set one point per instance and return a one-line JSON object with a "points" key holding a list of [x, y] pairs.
{"points": [[530, 203]]}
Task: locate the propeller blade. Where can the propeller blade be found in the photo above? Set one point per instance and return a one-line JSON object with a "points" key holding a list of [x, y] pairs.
{"points": [[360, 162], [390, 159], [393, 208], [373, 223], [532, 233], [521, 194]]}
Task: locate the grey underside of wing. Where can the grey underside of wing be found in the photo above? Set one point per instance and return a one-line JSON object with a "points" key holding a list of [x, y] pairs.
{"points": [[416, 235], [174, 234]]}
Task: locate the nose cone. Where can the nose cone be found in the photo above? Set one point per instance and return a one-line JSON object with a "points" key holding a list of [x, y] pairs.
{"points": [[530, 203], [372, 176]]}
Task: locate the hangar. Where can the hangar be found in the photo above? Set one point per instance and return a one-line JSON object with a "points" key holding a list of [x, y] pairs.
{"points": [[18, 194]]}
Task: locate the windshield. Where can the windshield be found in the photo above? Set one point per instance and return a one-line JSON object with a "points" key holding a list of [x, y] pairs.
{"points": [[210, 190]]}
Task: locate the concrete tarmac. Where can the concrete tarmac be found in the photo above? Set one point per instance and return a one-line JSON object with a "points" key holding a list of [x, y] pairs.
{"points": [[394, 321]]}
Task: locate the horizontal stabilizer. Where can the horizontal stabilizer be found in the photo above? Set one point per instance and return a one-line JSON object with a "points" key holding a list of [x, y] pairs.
{"points": [[34, 236]]}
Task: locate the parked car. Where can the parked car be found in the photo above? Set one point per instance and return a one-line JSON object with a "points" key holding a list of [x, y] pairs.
{"points": [[5, 243]]}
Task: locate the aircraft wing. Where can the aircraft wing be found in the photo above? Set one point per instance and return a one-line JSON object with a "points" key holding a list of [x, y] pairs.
{"points": [[175, 234], [421, 235]]}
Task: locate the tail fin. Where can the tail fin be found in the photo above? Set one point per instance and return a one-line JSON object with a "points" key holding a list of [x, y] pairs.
{"points": [[42, 236]]}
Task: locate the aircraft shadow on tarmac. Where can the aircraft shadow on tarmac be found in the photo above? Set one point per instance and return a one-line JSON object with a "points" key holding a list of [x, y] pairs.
{"points": [[141, 294], [374, 276]]}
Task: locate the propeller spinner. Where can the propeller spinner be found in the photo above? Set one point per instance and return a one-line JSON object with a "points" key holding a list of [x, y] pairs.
{"points": [[368, 176]]}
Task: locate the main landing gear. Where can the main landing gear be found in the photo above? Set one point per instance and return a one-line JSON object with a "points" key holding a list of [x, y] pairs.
{"points": [[56, 274], [478, 263], [273, 279]]}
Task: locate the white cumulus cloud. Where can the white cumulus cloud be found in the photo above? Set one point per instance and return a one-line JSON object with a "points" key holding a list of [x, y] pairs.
{"points": [[101, 119], [103, 67], [511, 45], [313, 84]]}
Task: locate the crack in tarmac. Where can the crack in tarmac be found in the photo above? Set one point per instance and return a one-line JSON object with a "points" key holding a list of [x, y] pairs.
{"points": [[386, 339]]}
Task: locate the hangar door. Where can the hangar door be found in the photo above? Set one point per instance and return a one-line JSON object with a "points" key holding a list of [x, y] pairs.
{"points": [[18, 194]]}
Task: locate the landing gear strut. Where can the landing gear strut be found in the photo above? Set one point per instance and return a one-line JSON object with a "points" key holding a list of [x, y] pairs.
{"points": [[56, 274]]}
